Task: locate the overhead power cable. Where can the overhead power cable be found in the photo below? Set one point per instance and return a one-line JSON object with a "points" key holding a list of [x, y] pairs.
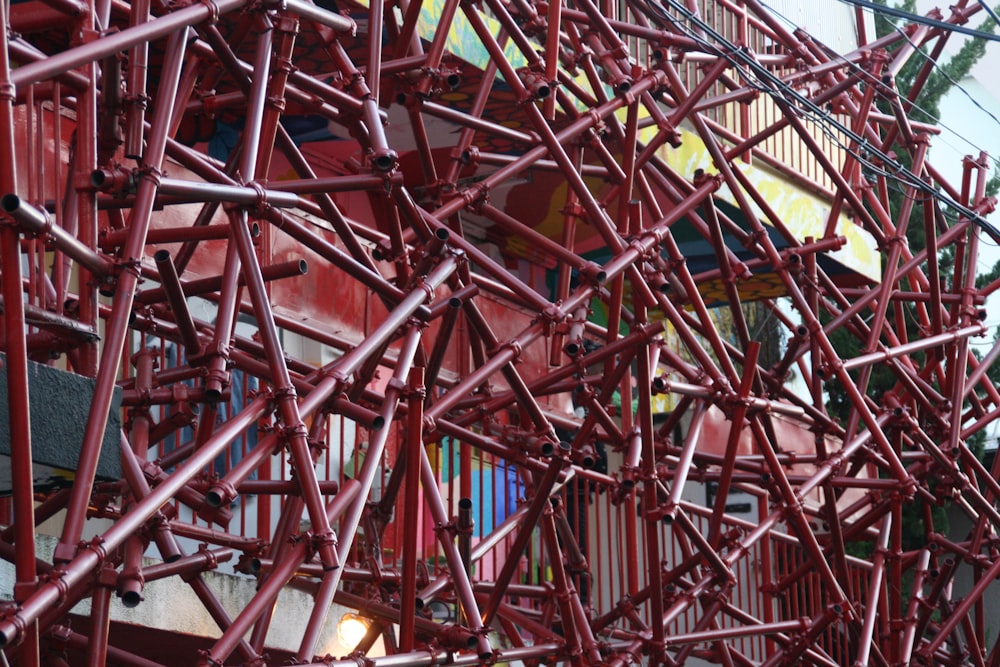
{"points": [[954, 84], [751, 69], [924, 20], [989, 10], [861, 72]]}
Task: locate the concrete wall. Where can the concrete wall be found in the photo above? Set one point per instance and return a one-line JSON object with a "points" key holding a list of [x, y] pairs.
{"points": [[170, 604]]}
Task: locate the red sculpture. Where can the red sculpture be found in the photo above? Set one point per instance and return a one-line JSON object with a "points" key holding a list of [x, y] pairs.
{"points": [[533, 331]]}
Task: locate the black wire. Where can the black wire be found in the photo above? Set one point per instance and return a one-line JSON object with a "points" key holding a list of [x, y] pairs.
{"points": [[751, 69], [943, 72], [822, 121], [917, 18], [785, 91], [913, 103], [989, 10]]}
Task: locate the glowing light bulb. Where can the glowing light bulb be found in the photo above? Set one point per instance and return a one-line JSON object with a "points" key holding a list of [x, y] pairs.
{"points": [[351, 629]]}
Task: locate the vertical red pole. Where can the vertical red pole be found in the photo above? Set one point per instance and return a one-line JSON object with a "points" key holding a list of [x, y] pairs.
{"points": [[217, 377], [462, 584], [561, 582], [732, 443], [135, 101], [100, 618], [86, 208], [554, 20], [20, 421], [650, 500], [411, 506], [16, 366], [287, 403], [874, 592], [464, 451], [130, 581], [437, 46]]}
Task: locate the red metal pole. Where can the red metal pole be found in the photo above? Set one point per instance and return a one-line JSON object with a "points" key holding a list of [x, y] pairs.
{"points": [[411, 504], [571, 630], [100, 618], [38, 222], [124, 295], [875, 592], [366, 479], [463, 587], [16, 367], [333, 380], [168, 24], [278, 578], [285, 394]]}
